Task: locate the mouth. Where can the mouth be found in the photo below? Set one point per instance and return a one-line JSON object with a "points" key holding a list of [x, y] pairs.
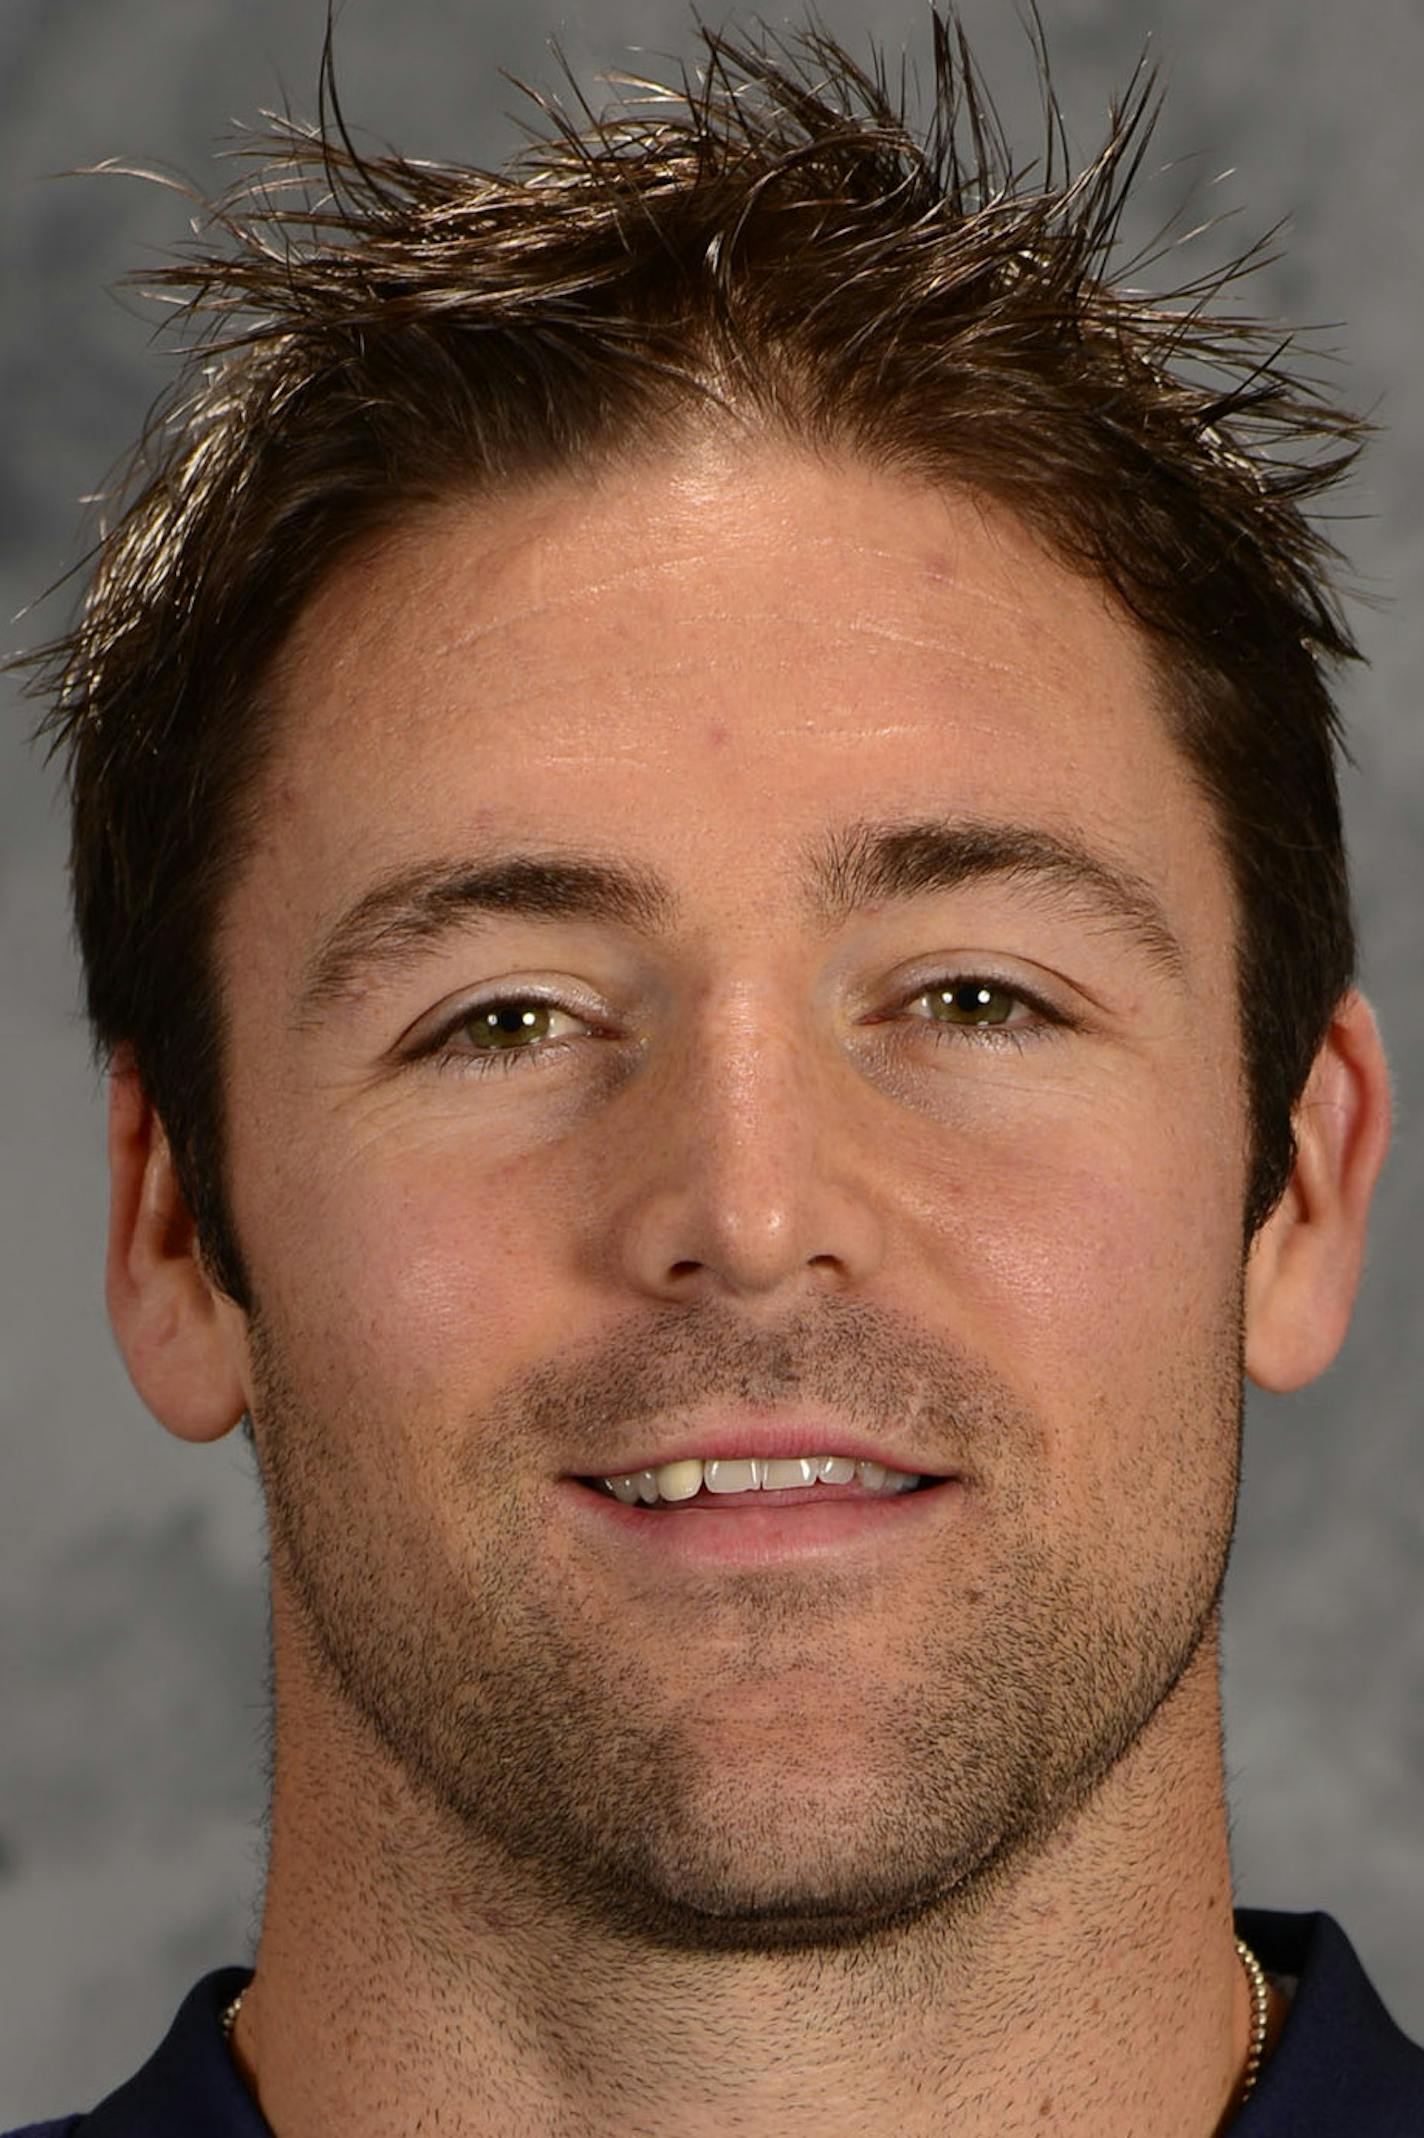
{"points": [[737, 1485], [709, 1514]]}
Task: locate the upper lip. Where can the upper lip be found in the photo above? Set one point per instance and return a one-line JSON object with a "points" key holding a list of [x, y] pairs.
{"points": [[723, 1439]]}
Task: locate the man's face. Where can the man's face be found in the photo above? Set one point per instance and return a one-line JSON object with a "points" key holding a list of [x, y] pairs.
{"points": [[829, 1133]]}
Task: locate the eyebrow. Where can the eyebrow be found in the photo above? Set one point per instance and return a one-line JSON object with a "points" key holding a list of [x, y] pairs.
{"points": [[866, 865], [408, 911], [869, 863]]}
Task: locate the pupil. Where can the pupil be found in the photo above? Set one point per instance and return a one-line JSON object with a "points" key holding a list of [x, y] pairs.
{"points": [[971, 1002], [511, 1021]]}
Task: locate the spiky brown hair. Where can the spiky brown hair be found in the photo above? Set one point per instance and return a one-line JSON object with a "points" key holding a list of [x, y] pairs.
{"points": [[773, 243]]}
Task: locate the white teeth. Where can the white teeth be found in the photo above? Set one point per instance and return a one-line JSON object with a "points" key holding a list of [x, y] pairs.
{"points": [[786, 1476], [673, 1481], [735, 1476]]}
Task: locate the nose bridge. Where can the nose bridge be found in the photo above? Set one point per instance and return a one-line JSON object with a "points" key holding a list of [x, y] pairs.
{"points": [[753, 1053], [744, 1178], [754, 1107]]}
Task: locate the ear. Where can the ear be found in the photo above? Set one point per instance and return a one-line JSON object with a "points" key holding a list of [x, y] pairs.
{"points": [[1305, 1263], [180, 1337]]}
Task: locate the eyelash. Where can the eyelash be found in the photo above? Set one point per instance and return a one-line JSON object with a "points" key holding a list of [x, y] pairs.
{"points": [[470, 1060], [444, 1055], [1047, 1019]]}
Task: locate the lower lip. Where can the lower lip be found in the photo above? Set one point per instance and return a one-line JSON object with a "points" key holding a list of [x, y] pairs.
{"points": [[753, 1533]]}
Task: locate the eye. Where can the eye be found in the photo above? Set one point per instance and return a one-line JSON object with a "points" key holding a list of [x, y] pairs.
{"points": [[977, 1003], [505, 1033], [973, 1002]]}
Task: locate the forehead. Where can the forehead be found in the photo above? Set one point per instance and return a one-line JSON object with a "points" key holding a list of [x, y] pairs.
{"points": [[726, 648]]}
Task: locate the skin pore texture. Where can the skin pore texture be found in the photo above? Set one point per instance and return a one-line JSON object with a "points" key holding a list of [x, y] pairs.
{"points": [[923, 1831]]}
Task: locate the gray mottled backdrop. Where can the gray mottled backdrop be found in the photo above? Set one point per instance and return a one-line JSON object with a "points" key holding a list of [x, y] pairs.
{"points": [[131, 1576]]}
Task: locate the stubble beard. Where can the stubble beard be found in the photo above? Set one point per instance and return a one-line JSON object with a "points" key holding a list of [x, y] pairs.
{"points": [[540, 1742]]}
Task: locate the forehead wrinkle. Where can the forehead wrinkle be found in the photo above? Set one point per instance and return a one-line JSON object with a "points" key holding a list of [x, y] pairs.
{"points": [[909, 563], [732, 662], [985, 663], [782, 611], [568, 594]]}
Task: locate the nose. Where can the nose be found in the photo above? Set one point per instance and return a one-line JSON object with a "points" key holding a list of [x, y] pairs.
{"points": [[748, 1179]]}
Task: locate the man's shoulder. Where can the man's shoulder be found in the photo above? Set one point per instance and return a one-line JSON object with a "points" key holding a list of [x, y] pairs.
{"points": [[1342, 2067], [189, 2086]]}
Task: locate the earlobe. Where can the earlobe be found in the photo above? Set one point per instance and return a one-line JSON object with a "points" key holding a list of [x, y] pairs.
{"points": [[1305, 1263], [180, 1338]]}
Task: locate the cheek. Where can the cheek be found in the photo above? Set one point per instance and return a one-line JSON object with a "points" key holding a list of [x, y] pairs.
{"points": [[1087, 1257], [1108, 1298], [435, 1276]]}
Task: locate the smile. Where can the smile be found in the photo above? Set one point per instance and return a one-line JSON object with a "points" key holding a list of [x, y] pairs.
{"points": [[807, 1476], [754, 1519]]}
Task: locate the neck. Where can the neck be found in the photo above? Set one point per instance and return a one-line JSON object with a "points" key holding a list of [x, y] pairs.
{"points": [[407, 1977]]}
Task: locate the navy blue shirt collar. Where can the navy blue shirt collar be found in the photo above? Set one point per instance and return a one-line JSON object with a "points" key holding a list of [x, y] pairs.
{"points": [[1341, 2068]]}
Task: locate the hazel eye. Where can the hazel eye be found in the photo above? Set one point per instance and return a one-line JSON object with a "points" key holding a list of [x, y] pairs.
{"points": [[514, 1026], [504, 1032], [970, 1002]]}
